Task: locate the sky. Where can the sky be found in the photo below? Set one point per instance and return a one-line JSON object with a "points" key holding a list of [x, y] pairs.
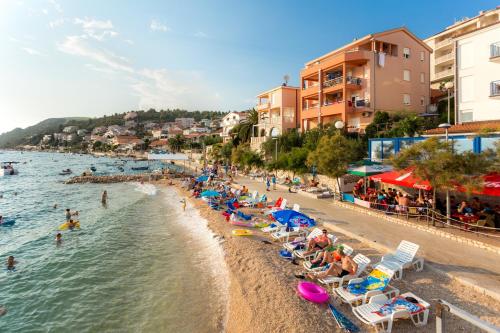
{"points": [[68, 58]]}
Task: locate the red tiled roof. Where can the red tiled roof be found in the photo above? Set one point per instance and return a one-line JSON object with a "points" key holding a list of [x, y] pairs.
{"points": [[158, 143], [472, 127], [126, 139]]}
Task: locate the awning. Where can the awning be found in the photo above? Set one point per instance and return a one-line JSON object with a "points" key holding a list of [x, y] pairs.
{"points": [[407, 179], [402, 178]]}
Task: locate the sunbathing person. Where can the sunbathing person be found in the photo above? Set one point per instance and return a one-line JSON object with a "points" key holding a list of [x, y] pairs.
{"points": [[347, 266], [318, 243]]}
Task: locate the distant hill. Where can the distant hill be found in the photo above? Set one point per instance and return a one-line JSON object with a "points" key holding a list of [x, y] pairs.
{"points": [[33, 134]]}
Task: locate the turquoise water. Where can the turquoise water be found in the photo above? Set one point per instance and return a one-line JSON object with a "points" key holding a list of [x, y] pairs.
{"points": [[138, 265]]}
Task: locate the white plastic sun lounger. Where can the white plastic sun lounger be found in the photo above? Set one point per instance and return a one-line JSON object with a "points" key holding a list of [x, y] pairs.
{"points": [[284, 235], [308, 265], [296, 207], [360, 259], [290, 246], [366, 313], [273, 227], [358, 299], [301, 253], [404, 257]]}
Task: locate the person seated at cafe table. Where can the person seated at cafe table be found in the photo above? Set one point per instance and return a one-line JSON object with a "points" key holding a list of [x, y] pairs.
{"points": [[476, 205], [464, 208]]}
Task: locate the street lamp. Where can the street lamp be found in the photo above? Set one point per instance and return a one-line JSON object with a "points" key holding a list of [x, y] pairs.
{"points": [[339, 124], [448, 210], [448, 86], [274, 135]]}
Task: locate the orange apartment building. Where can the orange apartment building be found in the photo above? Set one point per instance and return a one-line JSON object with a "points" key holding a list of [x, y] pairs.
{"points": [[386, 71], [278, 112]]}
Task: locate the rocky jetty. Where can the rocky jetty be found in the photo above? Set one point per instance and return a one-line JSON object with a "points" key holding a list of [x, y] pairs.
{"points": [[113, 179]]}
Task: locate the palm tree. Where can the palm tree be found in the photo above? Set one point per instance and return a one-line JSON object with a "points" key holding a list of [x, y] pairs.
{"points": [[245, 129]]}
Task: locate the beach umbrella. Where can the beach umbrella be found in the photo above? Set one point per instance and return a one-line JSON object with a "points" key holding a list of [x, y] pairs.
{"points": [[368, 168], [203, 178], [292, 217], [209, 194]]}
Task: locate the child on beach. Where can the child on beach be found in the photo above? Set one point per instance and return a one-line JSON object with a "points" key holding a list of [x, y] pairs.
{"points": [[183, 202], [268, 184]]}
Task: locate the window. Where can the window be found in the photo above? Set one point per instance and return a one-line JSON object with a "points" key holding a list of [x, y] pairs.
{"points": [[406, 99], [422, 77], [406, 75], [422, 101], [406, 53], [422, 56]]}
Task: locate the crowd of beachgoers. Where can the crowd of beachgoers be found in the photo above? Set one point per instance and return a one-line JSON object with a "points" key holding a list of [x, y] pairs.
{"points": [[326, 269]]}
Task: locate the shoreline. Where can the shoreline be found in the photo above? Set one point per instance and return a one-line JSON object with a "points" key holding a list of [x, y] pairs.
{"points": [[260, 294]]}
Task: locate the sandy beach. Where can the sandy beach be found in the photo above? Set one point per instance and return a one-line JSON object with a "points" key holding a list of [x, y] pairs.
{"points": [[263, 297]]}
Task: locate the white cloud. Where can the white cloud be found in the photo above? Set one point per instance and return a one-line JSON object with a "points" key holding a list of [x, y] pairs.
{"points": [[56, 6], [32, 51], [45, 11], [100, 69], [96, 29], [158, 26], [79, 46], [200, 34], [57, 22], [161, 88], [129, 41]]}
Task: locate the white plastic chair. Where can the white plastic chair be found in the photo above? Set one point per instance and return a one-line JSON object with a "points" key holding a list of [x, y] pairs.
{"points": [[358, 299], [366, 313], [404, 257], [361, 260], [284, 235], [290, 246]]}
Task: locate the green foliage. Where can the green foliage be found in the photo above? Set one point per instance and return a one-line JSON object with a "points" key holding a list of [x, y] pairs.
{"points": [[243, 132], [176, 143], [243, 156], [286, 142]]}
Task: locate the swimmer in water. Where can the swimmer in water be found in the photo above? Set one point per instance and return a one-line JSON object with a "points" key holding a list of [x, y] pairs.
{"points": [[58, 238], [69, 214], [183, 202], [11, 263], [55, 206], [71, 225], [104, 198]]}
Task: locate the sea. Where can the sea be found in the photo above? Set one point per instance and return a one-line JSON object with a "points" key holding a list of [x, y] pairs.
{"points": [[138, 264]]}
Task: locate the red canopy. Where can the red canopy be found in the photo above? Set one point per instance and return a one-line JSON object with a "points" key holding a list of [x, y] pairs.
{"points": [[402, 178], [407, 179]]}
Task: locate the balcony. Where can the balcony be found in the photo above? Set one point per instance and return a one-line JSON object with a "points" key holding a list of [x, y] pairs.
{"points": [[356, 57], [262, 106], [333, 108], [308, 113], [495, 89], [444, 74], [447, 58], [310, 90], [495, 52], [444, 43]]}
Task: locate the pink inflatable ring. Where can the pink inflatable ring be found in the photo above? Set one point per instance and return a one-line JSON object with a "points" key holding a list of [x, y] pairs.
{"points": [[312, 292]]}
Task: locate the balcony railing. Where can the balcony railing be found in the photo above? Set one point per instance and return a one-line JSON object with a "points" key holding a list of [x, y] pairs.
{"points": [[333, 82], [495, 50], [495, 89], [443, 43], [445, 73], [310, 85], [361, 103], [446, 57], [353, 80], [263, 106]]}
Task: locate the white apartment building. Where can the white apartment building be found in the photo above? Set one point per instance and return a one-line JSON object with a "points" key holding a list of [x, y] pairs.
{"points": [[478, 75], [229, 121], [442, 60]]}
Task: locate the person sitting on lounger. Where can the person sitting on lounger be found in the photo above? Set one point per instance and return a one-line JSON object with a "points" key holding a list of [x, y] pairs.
{"points": [[318, 243], [347, 266]]}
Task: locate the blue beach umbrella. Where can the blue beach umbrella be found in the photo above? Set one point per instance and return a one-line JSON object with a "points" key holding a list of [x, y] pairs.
{"points": [[292, 217], [202, 178], [209, 194]]}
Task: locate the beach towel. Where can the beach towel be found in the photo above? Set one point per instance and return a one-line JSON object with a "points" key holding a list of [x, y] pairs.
{"points": [[399, 303], [244, 216], [376, 280]]}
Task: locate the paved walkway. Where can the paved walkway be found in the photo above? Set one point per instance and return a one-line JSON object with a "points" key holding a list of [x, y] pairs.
{"points": [[470, 265]]}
